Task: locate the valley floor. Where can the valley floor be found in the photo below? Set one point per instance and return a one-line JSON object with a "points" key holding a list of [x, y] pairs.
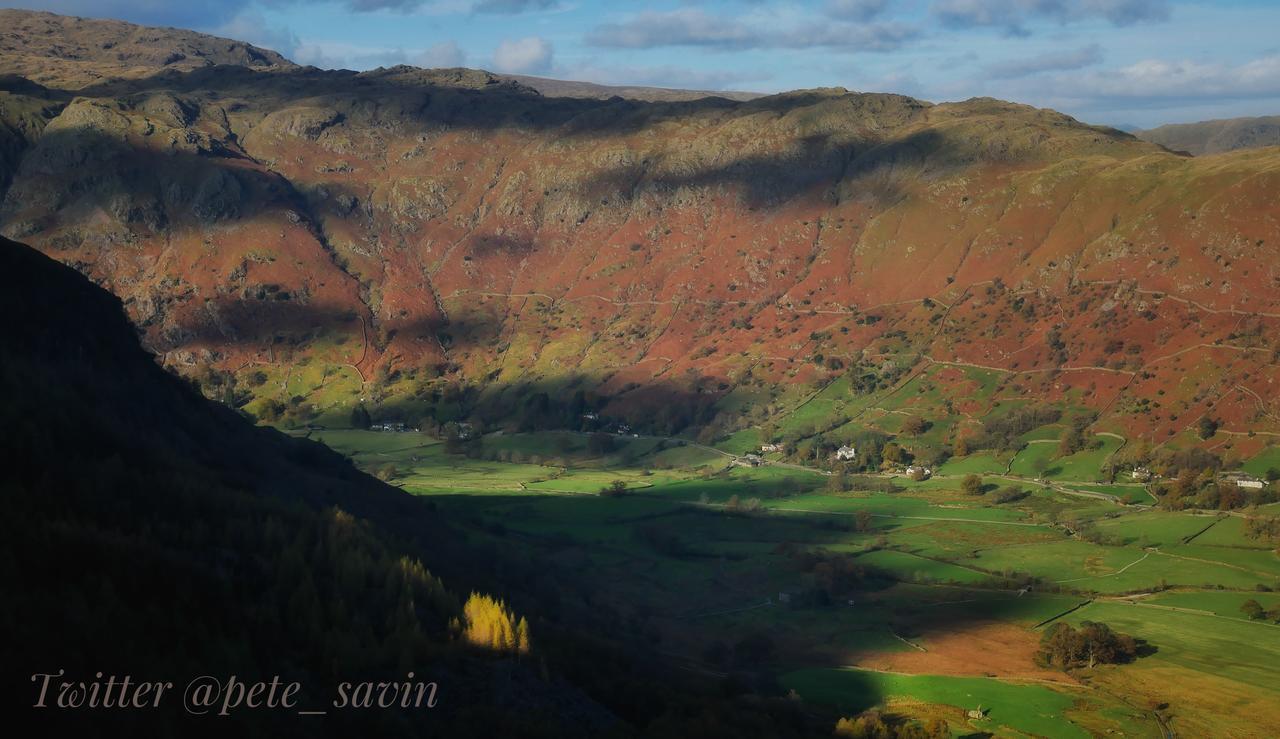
{"points": [[714, 561]]}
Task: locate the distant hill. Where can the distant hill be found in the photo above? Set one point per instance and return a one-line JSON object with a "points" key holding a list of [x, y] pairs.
{"points": [[1214, 137], [72, 52], [590, 90]]}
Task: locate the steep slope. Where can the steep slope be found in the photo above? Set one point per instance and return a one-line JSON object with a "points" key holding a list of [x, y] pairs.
{"points": [[1215, 137], [429, 241], [150, 532], [153, 533]]}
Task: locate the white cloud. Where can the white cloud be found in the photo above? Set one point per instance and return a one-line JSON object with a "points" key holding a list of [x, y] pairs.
{"points": [[694, 27], [1013, 15], [1085, 56], [252, 27], [512, 7], [443, 54], [1156, 78], [529, 55], [340, 55], [856, 10], [659, 76], [1181, 81]]}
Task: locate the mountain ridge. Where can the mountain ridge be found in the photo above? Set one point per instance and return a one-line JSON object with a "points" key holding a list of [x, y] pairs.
{"points": [[413, 230]]}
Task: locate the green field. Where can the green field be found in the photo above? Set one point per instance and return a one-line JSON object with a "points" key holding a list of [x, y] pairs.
{"points": [[1030, 709], [706, 550], [1268, 459], [973, 464], [1041, 459]]}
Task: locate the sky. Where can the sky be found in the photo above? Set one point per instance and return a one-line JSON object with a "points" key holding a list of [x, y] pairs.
{"points": [[1117, 62]]}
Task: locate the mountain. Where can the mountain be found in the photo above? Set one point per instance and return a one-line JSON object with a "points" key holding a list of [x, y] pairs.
{"points": [[1215, 137], [450, 244], [71, 52]]}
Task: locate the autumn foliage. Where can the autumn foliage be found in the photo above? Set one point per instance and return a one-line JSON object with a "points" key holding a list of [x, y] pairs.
{"points": [[487, 622]]}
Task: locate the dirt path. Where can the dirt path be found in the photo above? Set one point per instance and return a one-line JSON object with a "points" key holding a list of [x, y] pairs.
{"points": [[1120, 571]]}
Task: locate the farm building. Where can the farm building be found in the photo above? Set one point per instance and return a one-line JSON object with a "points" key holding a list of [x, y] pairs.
{"points": [[1244, 480], [750, 460], [766, 448], [1141, 474], [846, 453], [919, 472]]}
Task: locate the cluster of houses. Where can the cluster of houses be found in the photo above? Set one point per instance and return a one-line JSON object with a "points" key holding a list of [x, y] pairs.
{"points": [[397, 427], [1241, 479]]}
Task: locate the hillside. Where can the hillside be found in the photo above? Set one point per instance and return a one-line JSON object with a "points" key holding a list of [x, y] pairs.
{"points": [[73, 52], [446, 244], [154, 533], [1215, 137]]}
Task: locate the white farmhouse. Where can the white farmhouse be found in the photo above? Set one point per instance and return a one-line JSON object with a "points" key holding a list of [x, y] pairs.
{"points": [[846, 453], [919, 472]]}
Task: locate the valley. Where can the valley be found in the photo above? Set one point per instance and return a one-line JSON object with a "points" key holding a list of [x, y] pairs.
{"points": [[715, 564], [628, 411]]}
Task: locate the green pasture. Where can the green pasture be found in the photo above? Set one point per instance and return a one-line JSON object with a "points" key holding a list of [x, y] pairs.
{"points": [[1267, 459], [1031, 709]]}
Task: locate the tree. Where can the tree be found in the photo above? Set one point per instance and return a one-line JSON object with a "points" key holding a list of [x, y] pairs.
{"points": [[961, 447], [1253, 610], [1072, 441], [614, 489], [360, 418], [1092, 644], [972, 485], [915, 425], [487, 622], [895, 453], [1273, 474], [1208, 427]]}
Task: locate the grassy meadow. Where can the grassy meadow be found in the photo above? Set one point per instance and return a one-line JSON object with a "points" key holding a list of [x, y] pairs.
{"points": [[954, 590]]}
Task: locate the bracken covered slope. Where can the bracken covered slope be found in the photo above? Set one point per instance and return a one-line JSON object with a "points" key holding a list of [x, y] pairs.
{"points": [[328, 238]]}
